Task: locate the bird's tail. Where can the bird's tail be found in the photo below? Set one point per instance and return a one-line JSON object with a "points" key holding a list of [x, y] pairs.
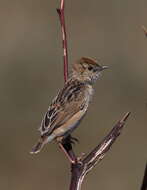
{"points": [[38, 146], [41, 142]]}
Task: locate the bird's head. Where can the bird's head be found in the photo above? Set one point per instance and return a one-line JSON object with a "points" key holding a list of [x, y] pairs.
{"points": [[87, 70]]}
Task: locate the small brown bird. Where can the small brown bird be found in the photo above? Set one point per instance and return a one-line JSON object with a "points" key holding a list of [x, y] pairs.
{"points": [[71, 104]]}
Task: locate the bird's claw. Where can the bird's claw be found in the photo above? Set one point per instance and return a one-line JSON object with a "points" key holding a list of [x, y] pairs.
{"points": [[74, 140]]}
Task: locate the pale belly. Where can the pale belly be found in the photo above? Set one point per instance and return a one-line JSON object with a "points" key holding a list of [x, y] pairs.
{"points": [[70, 125]]}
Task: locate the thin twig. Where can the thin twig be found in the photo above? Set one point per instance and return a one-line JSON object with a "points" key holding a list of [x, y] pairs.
{"points": [[144, 30], [82, 167], [60, 12]]}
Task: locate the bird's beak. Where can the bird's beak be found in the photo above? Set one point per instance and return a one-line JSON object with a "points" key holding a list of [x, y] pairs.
{"points": [[104, 67]]}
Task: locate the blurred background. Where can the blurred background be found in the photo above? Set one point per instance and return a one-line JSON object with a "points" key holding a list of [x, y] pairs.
{"points": [[31, 72]]}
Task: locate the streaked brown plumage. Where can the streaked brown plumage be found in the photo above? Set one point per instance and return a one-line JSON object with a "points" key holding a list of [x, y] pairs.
{"points": [[70, 105]]}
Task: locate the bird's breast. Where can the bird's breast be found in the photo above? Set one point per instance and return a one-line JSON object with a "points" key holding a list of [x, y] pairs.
{"points": [[89, 93]]}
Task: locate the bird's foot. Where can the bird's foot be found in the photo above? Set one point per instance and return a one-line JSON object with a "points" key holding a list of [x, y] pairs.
{"points": [[74, 140]]}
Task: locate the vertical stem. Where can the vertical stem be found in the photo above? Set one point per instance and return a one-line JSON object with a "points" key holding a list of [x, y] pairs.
{"points": [[67, 145], [64, 38]]}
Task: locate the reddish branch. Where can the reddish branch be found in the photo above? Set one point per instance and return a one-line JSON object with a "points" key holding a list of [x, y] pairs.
{"points": [[66, 145], [60, 12], [81, 166]]}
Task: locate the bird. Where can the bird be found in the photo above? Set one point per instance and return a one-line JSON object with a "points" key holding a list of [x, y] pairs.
{"points": [[70, 105]]}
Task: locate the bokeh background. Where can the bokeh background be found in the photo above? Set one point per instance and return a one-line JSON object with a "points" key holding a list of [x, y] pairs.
{"points": [[31, 72]]}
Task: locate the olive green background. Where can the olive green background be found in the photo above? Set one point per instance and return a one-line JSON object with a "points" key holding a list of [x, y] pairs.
{"points": [[31, 72]]}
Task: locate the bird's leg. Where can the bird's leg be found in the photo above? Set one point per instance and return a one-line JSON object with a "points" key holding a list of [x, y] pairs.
{"points": [[68, 154], [65, 145]]}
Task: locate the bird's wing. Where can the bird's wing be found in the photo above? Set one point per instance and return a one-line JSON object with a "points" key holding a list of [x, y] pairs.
{"points": [[69, 101]]}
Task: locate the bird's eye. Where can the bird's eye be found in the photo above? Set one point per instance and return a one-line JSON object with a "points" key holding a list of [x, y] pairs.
{"points": [[90, 68]]}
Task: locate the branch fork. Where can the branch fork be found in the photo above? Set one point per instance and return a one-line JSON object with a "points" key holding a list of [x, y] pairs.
{"points": [[86, 164]]}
